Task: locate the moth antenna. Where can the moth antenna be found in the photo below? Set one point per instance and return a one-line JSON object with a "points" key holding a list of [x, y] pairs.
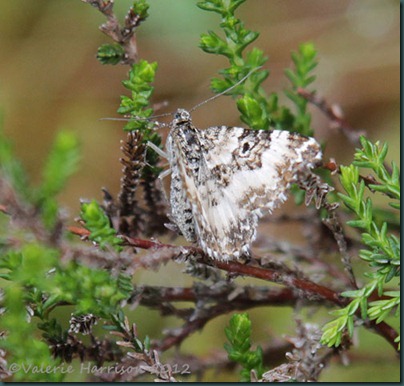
{"points": [[137, 118], [225, 91], [160, 115], [115, 119]]}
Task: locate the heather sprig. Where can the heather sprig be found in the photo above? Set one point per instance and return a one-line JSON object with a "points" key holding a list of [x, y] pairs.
{"points": [[382, 248], [97, 222], [238, 348], [305, 61], [258, 110], [253, 104]]}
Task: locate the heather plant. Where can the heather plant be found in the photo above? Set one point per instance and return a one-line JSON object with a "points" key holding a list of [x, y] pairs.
{"points": [[47, 265]]}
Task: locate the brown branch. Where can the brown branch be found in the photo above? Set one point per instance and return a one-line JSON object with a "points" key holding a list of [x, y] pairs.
{"points": [[131, 219], [24, 215], [317, 191], [307, 257], [240, 303], [311, 290], [333, 112], [97, 350], [146, 244], [234, 297], [319, 236], [3, 209], [197, 324], [124, 36], [79, 231]]}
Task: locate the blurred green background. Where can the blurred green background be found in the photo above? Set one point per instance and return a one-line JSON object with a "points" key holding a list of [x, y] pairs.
{"points": [[50, 80]]}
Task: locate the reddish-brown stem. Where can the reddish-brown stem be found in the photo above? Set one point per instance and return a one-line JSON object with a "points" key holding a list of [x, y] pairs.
{"points": [[307, 286], [123, 35], [79, 231], [311, 290], [334, 114]]}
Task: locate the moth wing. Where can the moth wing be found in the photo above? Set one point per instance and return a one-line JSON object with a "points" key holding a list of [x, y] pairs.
{"points": [[242, 173]]}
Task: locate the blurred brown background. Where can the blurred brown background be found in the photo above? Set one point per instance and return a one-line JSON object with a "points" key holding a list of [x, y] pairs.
{"points": [[50, 80]]}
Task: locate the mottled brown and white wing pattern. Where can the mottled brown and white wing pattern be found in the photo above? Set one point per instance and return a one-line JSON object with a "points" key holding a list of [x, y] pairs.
{"points": [[225, 178]]}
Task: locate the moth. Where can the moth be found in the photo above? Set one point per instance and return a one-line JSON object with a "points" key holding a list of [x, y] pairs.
{"points": [[223, 179]]}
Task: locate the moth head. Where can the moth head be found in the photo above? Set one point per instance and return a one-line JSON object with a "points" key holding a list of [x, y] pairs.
{"points": [[181, 116]]}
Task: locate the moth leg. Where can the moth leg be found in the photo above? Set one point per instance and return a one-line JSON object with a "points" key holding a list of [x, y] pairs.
{"points": [[160, 186], [160, 152], [172, 226], [164, 174]]}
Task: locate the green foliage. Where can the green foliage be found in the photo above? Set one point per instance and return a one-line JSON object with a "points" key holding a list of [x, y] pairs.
{"points": [[141, 75], [35, 282], [11, 168], [305, 61], [29, 266], [97, 222], [382, 251], [24, 350], [110, 53], [141, 9], [115, 53], [238, 334], [35, 277], [253, 105], [121, 326], [47, 283], [27, 270], [61, 164], [90, 290], [372, 157], [258, 110]]}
